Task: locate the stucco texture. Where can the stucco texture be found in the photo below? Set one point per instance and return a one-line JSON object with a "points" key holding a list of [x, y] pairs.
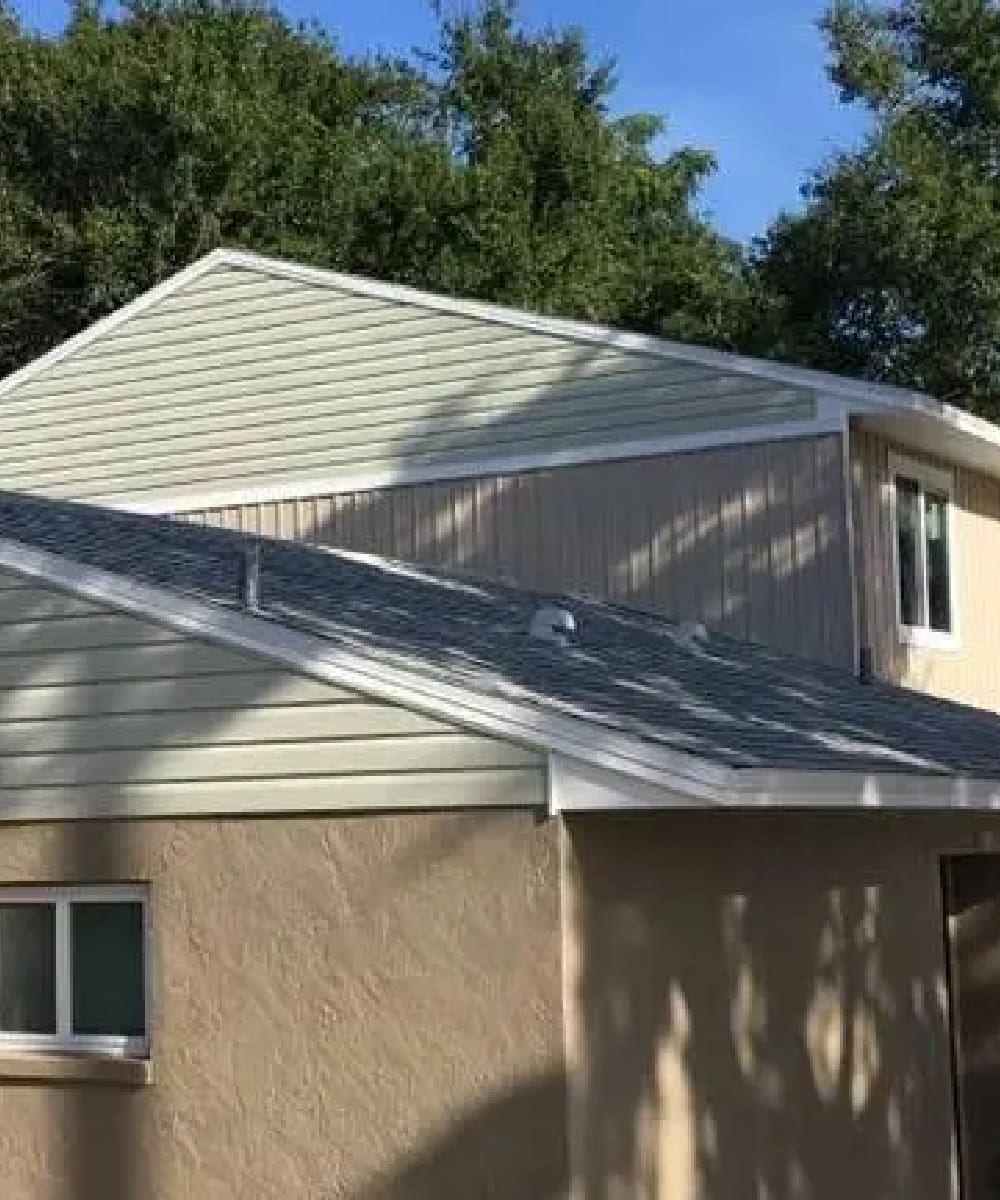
{"points": [[351, 1007], [757, 1006]]}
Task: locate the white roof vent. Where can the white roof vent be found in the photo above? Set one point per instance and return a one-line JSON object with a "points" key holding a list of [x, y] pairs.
{"points": [[553, 625], [691, 636]]}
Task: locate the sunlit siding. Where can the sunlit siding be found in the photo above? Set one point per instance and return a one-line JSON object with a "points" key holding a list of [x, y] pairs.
{"points": [[245, 380], [970, 671], [751, 540]]}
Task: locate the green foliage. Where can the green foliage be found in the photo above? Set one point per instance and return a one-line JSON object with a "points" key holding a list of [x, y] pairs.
{"points": [[490, 167], [893, 270]]}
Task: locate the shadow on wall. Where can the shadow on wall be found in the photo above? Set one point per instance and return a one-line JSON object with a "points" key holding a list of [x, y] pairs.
{"points": [[751, 539], [502, 1150], [110, 1143], [759, 1010], [732, 1043]]}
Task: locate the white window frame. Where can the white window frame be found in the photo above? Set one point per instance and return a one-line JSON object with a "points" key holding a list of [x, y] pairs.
{"points": [[935, 479], [64, 1041]]}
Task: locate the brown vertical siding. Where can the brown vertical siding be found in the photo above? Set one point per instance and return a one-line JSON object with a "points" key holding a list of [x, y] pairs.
{"points": [[366, 1008], [970, 672], [751, 540], [756, 1006]]}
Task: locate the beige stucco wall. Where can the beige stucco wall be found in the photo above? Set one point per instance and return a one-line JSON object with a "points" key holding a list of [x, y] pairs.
{"points": [[756, 1006], [349, 1007], [751, 539], [971, 671]]}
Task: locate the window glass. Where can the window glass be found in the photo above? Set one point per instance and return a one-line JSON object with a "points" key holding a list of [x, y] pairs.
{"points": [[938, 590], [108, 991], [27, 968], [907, 536]]}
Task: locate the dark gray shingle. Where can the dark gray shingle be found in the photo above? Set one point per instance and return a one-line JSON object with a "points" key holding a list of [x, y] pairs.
{"points": [[727, 701]]}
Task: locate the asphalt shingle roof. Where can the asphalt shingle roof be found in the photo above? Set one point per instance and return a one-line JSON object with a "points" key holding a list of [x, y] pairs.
{"points": [[727, 701]]}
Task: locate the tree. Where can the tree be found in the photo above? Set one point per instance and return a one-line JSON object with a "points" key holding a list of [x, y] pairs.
{"points": [[893, 269], [491, 167]]}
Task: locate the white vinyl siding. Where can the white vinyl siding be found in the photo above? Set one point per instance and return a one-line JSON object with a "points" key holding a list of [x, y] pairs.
{"points": [[105, 712], [244, 380]]}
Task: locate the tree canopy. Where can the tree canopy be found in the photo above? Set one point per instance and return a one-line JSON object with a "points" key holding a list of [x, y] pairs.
{"points": [[493, 165], [490, 166], [893, 269]]}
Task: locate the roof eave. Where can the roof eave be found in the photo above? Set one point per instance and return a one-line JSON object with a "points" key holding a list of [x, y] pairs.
{"points": [[504, 717], [622, 772]]}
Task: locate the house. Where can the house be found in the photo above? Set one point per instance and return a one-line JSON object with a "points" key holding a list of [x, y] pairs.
{"points": [[832, 518], [325, 876]]}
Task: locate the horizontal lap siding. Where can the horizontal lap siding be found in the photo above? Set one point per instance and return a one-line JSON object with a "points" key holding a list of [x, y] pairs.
{"points": [[750, 539], [103, 710], [971, 671], [244, 380]]}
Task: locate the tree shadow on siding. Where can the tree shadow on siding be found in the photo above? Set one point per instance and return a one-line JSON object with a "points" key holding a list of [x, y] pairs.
{"points": [[750, 539], [757, 1115]]}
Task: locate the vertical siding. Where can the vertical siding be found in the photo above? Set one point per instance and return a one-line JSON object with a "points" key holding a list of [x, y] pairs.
{"points": [[98, 709], [970, 672], [751, 540]]}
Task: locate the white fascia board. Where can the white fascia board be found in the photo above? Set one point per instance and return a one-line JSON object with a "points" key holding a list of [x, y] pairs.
{"points": [[866, 790], [503, 717], [576, 786], [827, 421]]}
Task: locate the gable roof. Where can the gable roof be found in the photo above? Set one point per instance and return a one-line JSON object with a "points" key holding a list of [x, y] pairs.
{"points": [[711, 718], [923, 419]]}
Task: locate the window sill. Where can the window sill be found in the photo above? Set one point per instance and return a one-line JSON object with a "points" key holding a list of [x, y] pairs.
{"points": [[928, 639], [74, 1068]]}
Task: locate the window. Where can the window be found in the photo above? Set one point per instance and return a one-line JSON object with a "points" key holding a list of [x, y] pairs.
{"points": [[921, 505], [73, 969]]}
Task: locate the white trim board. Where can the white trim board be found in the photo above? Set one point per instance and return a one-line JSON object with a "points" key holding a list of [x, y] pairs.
{"points": [[824, 423], [862, 396], [620, 771], [580, 787]]}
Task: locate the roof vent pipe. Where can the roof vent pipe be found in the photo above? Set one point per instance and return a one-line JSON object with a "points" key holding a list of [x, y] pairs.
{"points": [[250, 590], [553, 625]]}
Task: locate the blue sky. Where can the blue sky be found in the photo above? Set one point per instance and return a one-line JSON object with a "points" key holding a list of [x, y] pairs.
{"points": [[744, 78]]}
